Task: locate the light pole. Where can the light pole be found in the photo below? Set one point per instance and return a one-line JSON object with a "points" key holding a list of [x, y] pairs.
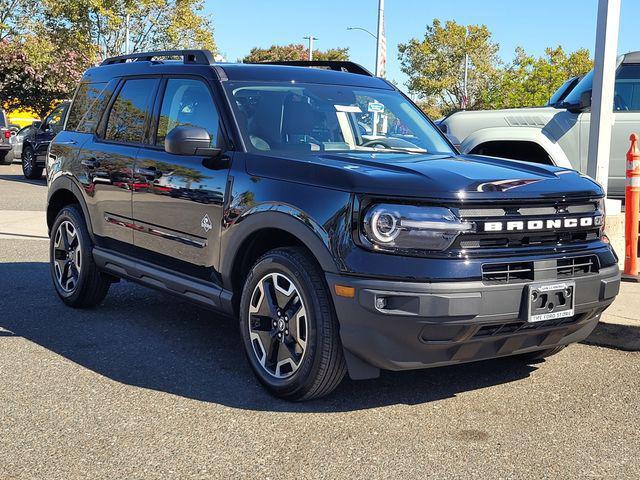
{"points": [[311, 38], [381, 43], [364, 30]]}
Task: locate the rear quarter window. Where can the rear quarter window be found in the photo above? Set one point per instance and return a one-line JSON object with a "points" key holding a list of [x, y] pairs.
{"points": [[88, 104]]}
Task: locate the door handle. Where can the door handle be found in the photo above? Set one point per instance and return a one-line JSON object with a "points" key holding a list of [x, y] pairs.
{"points": [[90, 163], [151, 172]]}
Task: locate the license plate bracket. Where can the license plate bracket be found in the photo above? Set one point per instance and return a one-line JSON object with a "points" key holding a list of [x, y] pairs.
{"points": [[550, 301]]}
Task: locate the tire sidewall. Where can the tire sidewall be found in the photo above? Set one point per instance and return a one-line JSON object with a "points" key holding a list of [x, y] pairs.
{"points": [[72, 215], [276, 262]]}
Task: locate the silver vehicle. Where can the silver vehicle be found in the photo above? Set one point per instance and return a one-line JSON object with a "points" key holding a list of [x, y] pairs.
{"points": [[557, 134], [17, 140]]}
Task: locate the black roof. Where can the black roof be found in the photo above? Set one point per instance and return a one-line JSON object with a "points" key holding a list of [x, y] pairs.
{"points": [[235, 72]]}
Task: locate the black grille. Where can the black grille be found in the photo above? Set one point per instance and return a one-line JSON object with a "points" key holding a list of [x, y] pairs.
{"points": [[577, 266], [507, 272], [515, 272], [552, 210]]}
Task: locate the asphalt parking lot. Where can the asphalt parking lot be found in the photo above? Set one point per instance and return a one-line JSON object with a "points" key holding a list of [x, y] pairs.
{"points": [[147, 386]]}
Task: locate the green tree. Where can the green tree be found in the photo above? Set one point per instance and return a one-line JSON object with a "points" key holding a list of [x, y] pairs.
{"points": [[153, 24], [36, 72], [292, 52], [530, 81], [435, 65], [17, 16]]}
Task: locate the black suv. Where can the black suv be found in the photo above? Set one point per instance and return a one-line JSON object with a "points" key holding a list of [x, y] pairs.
{"points": [[326, 211], [36, 143]]}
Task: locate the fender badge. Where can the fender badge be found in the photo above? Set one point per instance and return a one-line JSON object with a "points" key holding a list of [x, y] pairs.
{"points": [[206, 223]]}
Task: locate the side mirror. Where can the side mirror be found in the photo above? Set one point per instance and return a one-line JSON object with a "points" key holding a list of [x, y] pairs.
{"points": [[185, 140], [585, 100]]}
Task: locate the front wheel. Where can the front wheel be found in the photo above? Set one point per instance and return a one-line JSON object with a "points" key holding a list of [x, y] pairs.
{"points": [[289, 327], [29, 168]]}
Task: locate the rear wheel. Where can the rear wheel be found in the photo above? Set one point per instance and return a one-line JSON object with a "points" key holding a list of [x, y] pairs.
{"points": [[76, 278], [29, 168], [289, 326]]}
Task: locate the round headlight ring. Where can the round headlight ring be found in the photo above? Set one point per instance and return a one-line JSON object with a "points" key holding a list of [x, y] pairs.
{"points": [[385, 226]]}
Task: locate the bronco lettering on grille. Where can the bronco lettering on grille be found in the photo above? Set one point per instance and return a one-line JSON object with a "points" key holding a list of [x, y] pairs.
{"points": [[549, 224]]}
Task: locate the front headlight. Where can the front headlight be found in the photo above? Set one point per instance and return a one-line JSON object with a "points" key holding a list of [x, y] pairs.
{"points": [[409, 227]]}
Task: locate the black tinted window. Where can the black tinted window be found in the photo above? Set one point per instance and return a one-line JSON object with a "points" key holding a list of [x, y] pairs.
{"points": [[187, 102], [87, 106], [129, 111], [627, 93]]}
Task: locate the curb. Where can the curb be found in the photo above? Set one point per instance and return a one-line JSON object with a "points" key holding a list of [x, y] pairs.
{"points": [[613, 335]]}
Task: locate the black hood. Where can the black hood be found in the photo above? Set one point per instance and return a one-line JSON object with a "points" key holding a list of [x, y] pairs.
{"points": [[428, 176]]}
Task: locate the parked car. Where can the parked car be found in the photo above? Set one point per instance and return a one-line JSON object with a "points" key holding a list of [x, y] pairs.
{"points": [[17, 141], [259, 197], [557, 134], [5, 136], [36, 143]]}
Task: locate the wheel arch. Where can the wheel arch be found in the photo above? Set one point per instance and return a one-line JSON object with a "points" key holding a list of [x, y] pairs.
{"points": [[517, 134], [62, 192], [258, 233]]}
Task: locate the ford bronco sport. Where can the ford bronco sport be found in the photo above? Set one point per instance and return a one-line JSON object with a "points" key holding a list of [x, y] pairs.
{"points": [[322, 208]]}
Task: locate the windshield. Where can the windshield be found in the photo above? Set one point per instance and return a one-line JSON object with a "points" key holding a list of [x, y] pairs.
{"points": [[583, 85], [276, 117], [560, 94]]}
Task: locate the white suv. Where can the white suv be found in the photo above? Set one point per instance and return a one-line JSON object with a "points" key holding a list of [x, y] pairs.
{"points": [[556, 134]]}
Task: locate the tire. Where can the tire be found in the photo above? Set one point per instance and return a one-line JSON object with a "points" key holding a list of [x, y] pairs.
{"points": [[540, 355], [6, 158], [88, 286], [310, 338], [29, 168]]}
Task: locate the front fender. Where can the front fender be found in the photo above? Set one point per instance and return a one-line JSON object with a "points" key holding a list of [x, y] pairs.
{"points": [[522, 134], [275, 216]]}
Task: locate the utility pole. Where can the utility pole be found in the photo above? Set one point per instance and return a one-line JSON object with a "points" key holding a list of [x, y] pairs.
{"points": [[381, 46], [311, 38], [466, 71], [604, 72], [127, 49]]}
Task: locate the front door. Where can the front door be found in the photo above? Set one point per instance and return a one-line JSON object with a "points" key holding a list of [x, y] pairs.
{"points": [[178, 199]]}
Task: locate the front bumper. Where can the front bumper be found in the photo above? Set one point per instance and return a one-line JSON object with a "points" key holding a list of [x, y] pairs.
{"points": [[434, 324]]}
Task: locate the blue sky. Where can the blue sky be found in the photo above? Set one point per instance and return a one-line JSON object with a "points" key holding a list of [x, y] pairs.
{"points": [[243, 24]]}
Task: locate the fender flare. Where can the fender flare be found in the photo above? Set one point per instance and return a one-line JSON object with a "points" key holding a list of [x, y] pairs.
{"points": [[66, 183], [281, 217], [517, 134]]}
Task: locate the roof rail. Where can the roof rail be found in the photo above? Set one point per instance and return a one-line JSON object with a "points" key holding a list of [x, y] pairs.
{"points": [[198, 57], [339, 66]]}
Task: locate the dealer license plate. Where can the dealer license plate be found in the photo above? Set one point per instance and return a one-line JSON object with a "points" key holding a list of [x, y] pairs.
{"points": [[550, 301]]}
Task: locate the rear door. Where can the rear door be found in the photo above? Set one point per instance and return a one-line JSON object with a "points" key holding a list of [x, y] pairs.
{"points": [[178, 199], [107, 159]]}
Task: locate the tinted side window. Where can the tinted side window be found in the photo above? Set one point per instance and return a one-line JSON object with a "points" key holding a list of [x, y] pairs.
{"points": [[127, 116], [54, 119], [187, 102], [627, 92], [90, 100]]}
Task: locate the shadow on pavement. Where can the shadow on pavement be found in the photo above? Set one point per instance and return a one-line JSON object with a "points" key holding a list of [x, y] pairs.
{"points": [[21, 179], [144, 338]]}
